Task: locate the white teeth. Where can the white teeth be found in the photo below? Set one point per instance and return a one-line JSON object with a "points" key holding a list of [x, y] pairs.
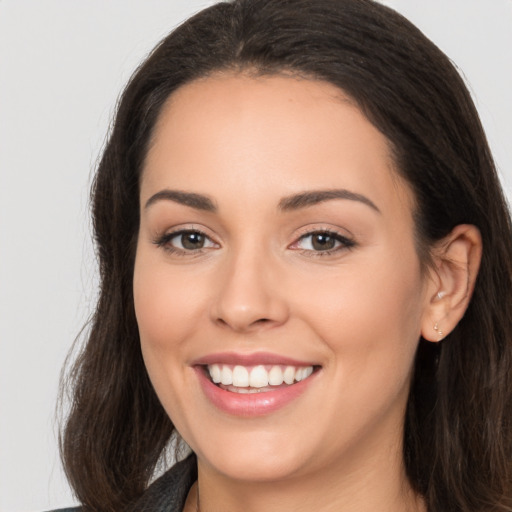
{"points": [[275, 376], [240, 377], [215, 373], [289, 375], [303, 373], [226, 377], [257, 376]]}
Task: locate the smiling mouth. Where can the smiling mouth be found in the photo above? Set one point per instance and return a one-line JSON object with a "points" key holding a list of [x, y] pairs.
{"points": [[256, 379]]}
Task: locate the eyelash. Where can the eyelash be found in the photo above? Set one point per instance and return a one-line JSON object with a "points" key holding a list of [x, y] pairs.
{"points": [[164, 242], [344, 243]]}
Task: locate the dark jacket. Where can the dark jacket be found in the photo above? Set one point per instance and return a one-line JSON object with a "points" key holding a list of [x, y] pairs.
{"points": [[166, 494]]}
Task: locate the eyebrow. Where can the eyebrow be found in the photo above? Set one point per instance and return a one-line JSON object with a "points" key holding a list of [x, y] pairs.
{"points": [[310, 198], [290, 203], [197, 201]]}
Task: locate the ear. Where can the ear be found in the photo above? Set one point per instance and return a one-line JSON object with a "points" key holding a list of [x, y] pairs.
{"points": [[456, 260]]}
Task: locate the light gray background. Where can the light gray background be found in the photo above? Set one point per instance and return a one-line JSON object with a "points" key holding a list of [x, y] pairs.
{"points": [[62, 66]]}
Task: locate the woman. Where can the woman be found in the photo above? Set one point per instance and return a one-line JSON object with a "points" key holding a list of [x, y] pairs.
{"points": [[305, 265]]}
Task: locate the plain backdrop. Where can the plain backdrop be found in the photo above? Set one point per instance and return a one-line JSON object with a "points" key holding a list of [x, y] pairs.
{"points": [[62, 66]]}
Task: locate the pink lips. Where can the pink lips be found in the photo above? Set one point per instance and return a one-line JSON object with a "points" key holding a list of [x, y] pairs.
{"points": [[249, 359], [250, 404]]}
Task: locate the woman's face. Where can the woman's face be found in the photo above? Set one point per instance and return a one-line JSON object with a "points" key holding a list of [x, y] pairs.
{"points": [[276, 243]]}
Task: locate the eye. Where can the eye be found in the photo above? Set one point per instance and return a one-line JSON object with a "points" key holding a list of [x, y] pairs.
{"points": [[189, 240], [323, 242]]}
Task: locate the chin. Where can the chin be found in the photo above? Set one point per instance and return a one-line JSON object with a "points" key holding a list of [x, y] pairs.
{"points": [[251, 456]]}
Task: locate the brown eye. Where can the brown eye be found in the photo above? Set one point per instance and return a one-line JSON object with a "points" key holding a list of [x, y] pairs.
{"points": [[322, 242], [192, 240], [186, 241]]}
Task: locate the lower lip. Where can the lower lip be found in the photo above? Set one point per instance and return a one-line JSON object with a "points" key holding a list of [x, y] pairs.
{"points": [[251, 404]]}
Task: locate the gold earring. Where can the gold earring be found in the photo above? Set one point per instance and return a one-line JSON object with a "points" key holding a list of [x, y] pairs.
{"points": [[439, 332]]}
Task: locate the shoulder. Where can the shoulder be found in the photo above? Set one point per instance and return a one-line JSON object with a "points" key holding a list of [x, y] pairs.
{"points": [[169, 492]]}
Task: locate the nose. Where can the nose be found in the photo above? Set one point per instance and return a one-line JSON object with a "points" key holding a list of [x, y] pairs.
{"points": [[249, 298]]}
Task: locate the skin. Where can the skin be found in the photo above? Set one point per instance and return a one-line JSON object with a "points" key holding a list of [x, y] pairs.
{"points": [[259, 285]]}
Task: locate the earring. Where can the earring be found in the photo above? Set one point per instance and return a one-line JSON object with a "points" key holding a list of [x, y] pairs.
{"points": [[440, 295], [439, 332]]}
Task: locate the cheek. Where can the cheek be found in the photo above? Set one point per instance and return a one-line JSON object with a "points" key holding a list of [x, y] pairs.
{"points": [[166, 307], [166, 303], [369, 317]]}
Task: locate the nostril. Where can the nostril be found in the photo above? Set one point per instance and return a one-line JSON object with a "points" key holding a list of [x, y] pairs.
{"points": [[255, 323]]}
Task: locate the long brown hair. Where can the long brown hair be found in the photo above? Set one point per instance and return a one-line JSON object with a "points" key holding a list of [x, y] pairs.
{"points": [[458, 428]]}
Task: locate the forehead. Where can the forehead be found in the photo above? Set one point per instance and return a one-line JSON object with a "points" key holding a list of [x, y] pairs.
{"points": [[274, 134]]}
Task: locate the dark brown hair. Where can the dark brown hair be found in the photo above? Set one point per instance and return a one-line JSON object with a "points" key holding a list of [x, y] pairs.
{"points": [[458, 430]]}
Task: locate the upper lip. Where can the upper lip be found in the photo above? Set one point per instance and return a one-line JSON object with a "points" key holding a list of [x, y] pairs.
{"points": [[253, 359]]}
